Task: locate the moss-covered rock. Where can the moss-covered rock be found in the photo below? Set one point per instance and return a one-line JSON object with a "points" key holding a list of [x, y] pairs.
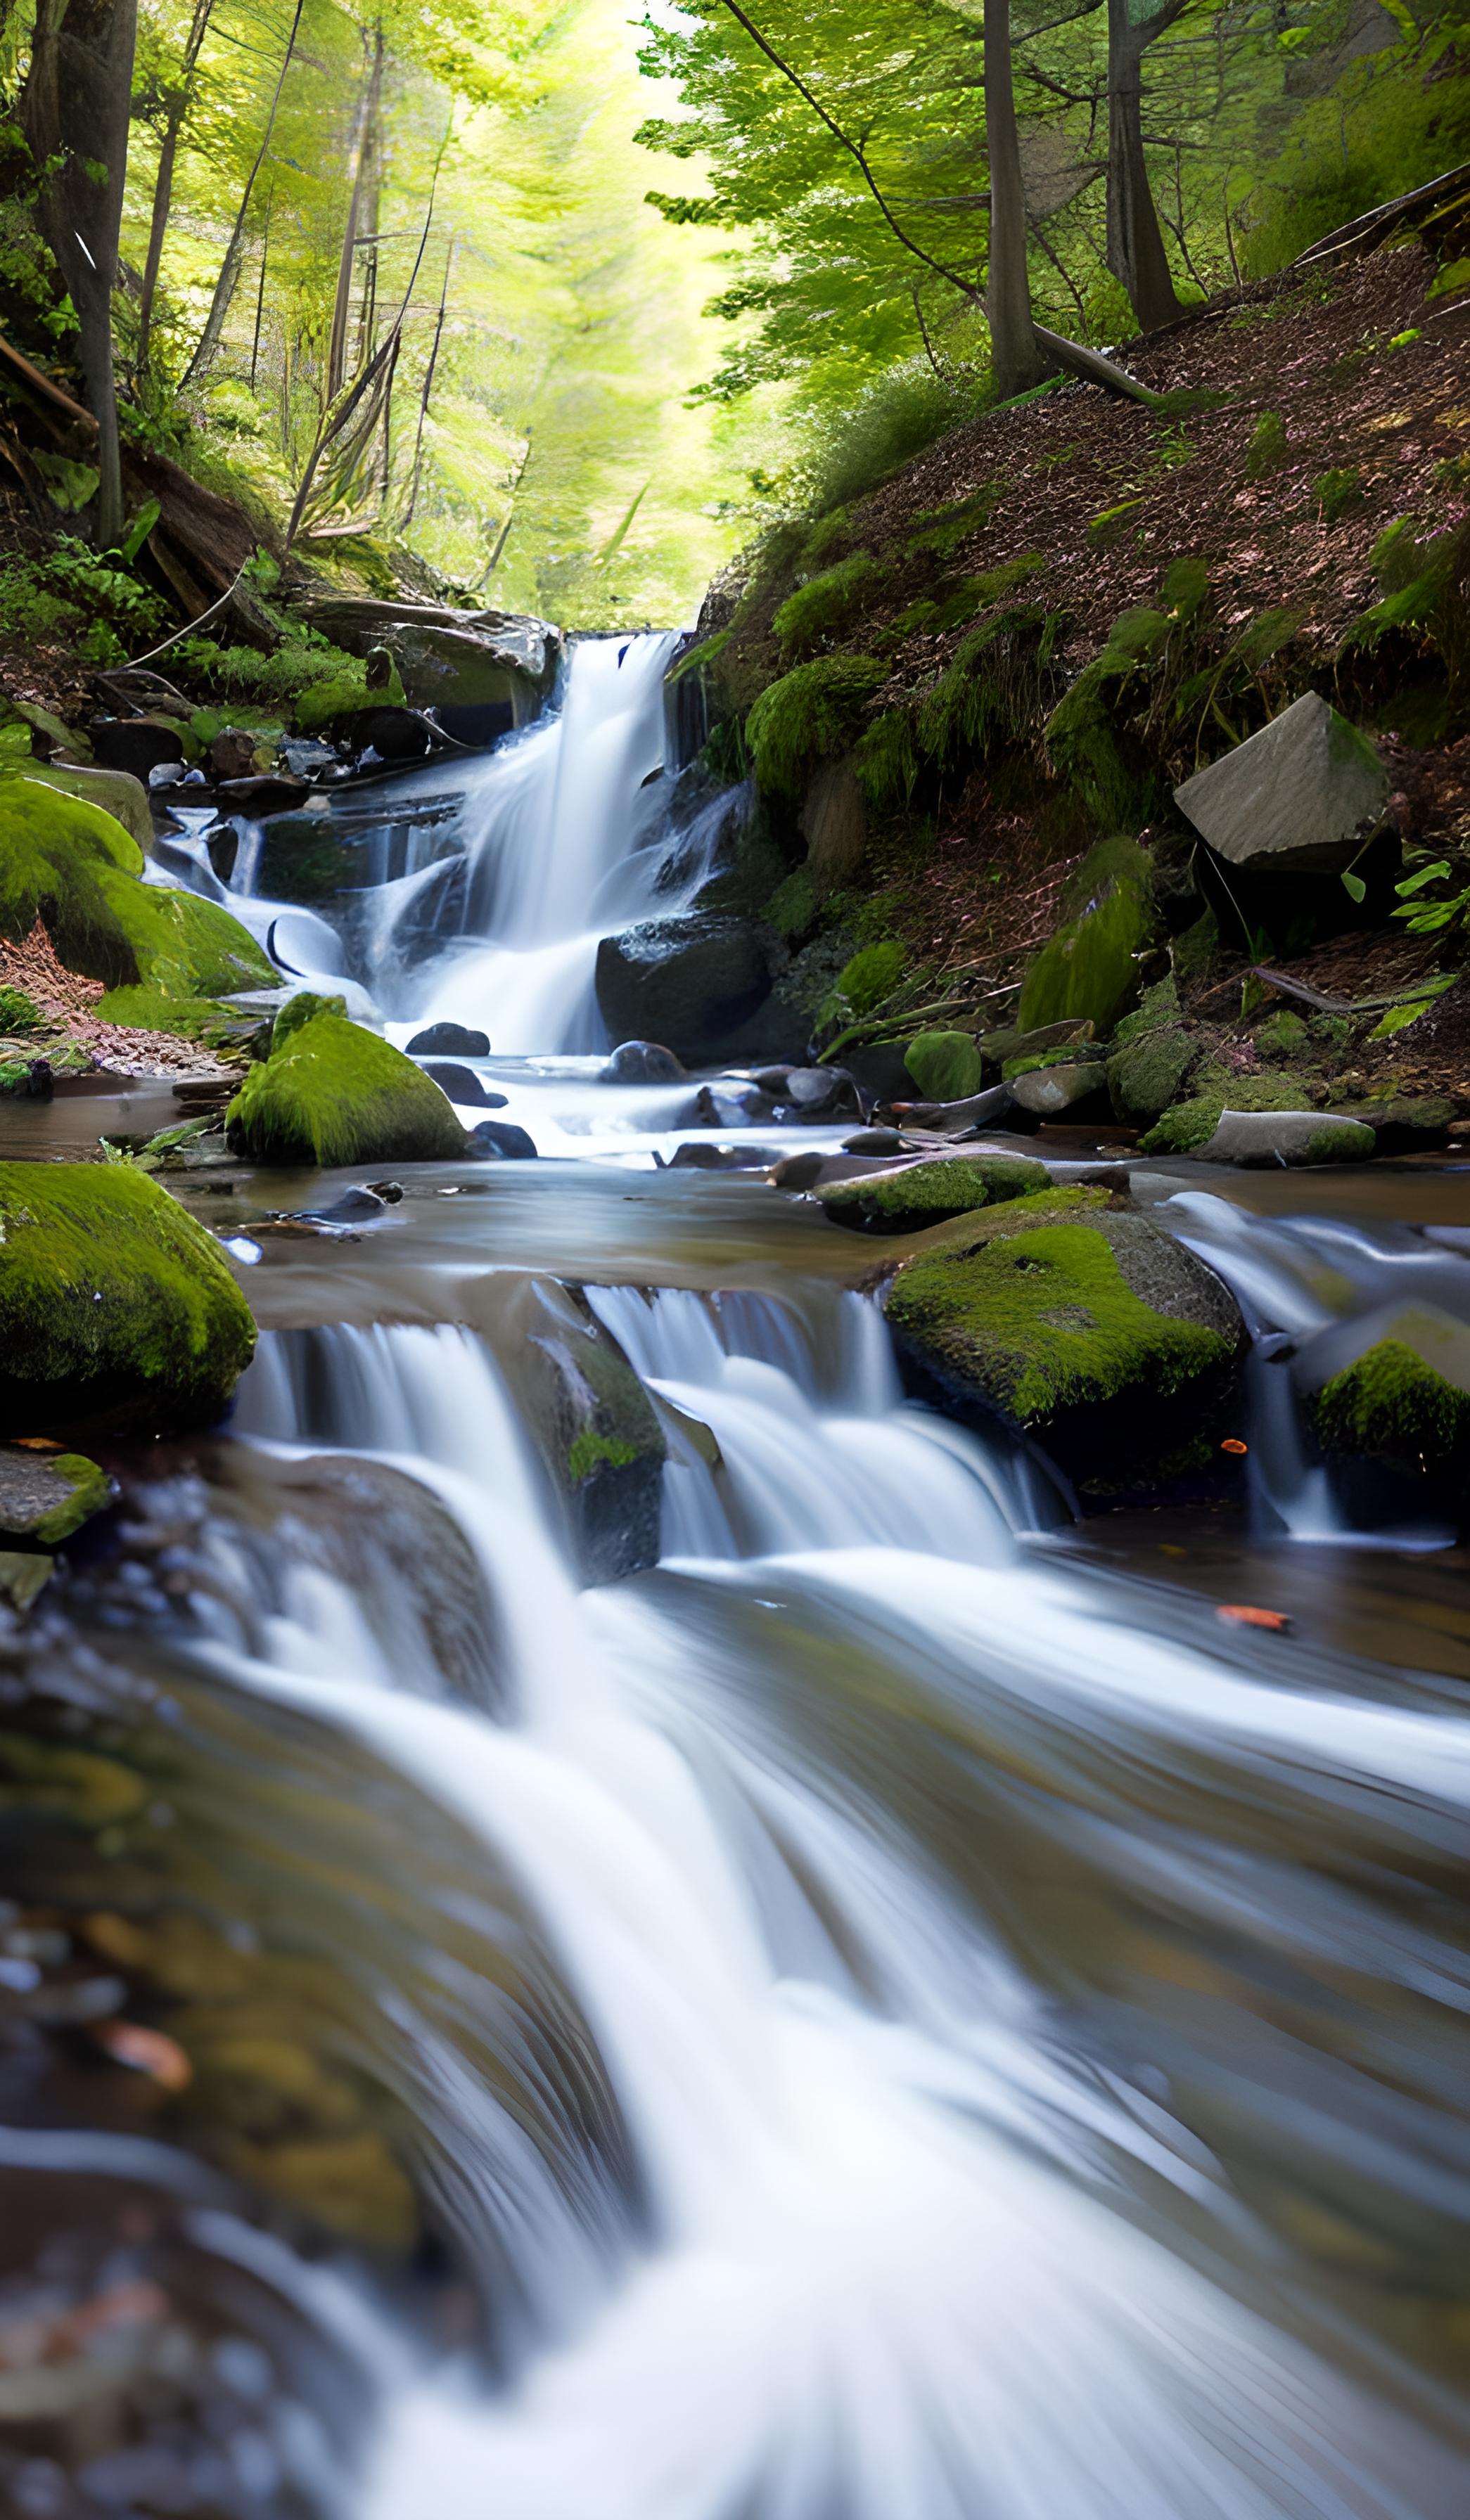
{"points": [[593, 1423], [331, 1092], [118, 1312], [921, 1194], [67, 863], [44, 1497], [811, 714], [1092, 1334], [946, 1066], [116, 791], [1091, 968], [1186, 1126], [823, 608], [1392, 1407], [1148, 1075]]}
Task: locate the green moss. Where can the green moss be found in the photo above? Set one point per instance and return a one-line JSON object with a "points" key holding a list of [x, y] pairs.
{"points": [[824, 606], [1337, 1141], [1337, 491], [811, 714], [1424, 597], [302, 1010], [149, 1010], [68, 864], [116, 1310], [924, 1194], [1091, 968], [17, 1012], [1282, 1035], [871, 976], [695, 660], [792, 909], [1110, 526], [1157, 1007], [1081, 734], [1391, 1406], [344, 695], [89, 1491], [885, 763], [1268, 451], [1045, 1320], [588, 1451], [1187, 1125], [990, 689], [824, 536], [941, 530], [333, 1094], [946, 1066], [1148, 1076]]}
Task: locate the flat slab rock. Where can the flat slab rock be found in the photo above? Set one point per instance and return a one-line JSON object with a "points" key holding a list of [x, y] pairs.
{"points": [[1292, 1138], [1301, 796], [45, 1497]]}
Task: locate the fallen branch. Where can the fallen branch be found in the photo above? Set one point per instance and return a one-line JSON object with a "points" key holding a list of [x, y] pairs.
{"points": [[1358, 231], [1433, 987]]}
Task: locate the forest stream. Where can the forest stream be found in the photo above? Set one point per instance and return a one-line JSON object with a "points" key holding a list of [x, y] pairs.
{"points": [[898, 2011]]}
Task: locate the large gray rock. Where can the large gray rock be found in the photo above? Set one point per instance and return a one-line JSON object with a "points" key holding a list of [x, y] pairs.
{"points": [[593, 1425], [450, 659], [686, 982], [1075, 1091], [1262, 1138], [1304, 794]]}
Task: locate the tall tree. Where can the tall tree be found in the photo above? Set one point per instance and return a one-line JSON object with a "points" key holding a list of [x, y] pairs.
{"points": [[234, 255], [1014, 349], [1136, 254], [174, 105], [74, 111]]}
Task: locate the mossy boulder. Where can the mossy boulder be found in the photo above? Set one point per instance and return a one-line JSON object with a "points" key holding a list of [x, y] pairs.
{"points": [[1405, 1399], [44, 1497], [811, 714], [1091, 967], [118, 1314], [116, 791], [331, 1092], [1186, 1126], [593, 1423], [929, 1193], [67, 863], [1078, 1326], [946, 1066], [1148, 1075]]}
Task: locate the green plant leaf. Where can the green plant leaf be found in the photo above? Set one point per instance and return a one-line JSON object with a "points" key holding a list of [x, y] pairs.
{"points": [[1355, 886], [1426, 875], [139, 530], [1398, 1016]]}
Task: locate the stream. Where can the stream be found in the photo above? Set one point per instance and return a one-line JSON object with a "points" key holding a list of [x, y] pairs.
{"points": [[900, 2011]]}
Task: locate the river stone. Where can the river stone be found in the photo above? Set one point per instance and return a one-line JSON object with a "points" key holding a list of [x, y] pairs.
{"points": [[814, 1092], [643, 1062], [118, 1314], [448, 659], [916, 1195], [1078, 1324], [450, 1041], [1304, 794], [461, 1084], [1147, 1076], [501, 1139], [1392, 1386], [331, 1092], [690, 981], [116, 791], [946, 1066], [1402, 1123], [44, 1497], [592, 1422], [994, 1109], [1062, 1093], [1295, 1138]]}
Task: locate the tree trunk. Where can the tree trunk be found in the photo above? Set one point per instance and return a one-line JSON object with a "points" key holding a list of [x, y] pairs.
{"points": [[1135, 241], [74, 111], [1017, 361], [234, 254], [363, 153], [174, 115]]}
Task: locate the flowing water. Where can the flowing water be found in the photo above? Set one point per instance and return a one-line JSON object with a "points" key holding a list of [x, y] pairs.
{"points": [[899, 2014]]}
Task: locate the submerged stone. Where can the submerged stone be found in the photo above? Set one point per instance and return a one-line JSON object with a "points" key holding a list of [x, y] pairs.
{"points": [[501, 1139], [643, 1062], [594, 1425], [117, 1313]]}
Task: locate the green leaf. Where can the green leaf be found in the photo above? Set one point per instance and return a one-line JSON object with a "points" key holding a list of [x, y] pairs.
{"points": [[1426, 875], [1398, 1016], [1355, 886], [139, 530]]}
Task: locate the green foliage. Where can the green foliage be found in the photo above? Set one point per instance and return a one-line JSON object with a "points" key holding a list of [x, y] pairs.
{"points": [[19, 1013], [885, 763], [116, 1310], [811, 714], [941, 531], [1282, 1035], [331, 1092], [1269, 449], [793, 907], [991, 688], [1424, 597], [825, 607], [77, 599], [1338, 491], [946, 1066], [320, 679], [871, 977]]}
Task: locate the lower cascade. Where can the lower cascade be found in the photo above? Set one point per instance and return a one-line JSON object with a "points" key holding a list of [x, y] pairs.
{"points": [[881, 2003]]}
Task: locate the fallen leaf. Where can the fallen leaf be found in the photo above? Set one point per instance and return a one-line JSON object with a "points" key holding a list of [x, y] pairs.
{"points": [[1244, 1614], [146, 2051]]}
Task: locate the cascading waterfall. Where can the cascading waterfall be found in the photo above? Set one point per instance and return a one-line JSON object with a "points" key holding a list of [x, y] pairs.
{"points": [[912, 2243]]}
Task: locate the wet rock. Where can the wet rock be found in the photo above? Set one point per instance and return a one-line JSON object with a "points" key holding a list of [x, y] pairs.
{"points": [[232, 753], [798, 1172], [394, 734], [1079, 1092], [697, 1154], [501, 1140], [1304, 793], [996, 1109], [1392, 1386], [116, 791], [118, 1312], [136, 744], [726, 1106], [1295, 1138], [261, 794], [462, 1085], [997, 1048], [878, 1072], [1402, 1124], [594, 1425], [305, 759], [690, 981], [929, 1193], [45, 1497], [24, 1576], [814, 1092], [1149, 1075], [1078, 1324], [357, 1206], [449, 1040], [449, 658], [946, 1066], [874, 1142], [331, 1092], [643, 1062]]}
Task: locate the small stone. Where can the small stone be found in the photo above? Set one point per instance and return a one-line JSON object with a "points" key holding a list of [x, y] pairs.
{"points": [[453, 1040], [812, 1091], [462, 1085], [354, 1207], [1054, 1092], [502, 1140], [47, 1496], [644, 1062]]}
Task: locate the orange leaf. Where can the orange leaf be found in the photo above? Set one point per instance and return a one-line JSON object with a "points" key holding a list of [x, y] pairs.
{"points": [[146, 2051], [1244, 1614]]}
